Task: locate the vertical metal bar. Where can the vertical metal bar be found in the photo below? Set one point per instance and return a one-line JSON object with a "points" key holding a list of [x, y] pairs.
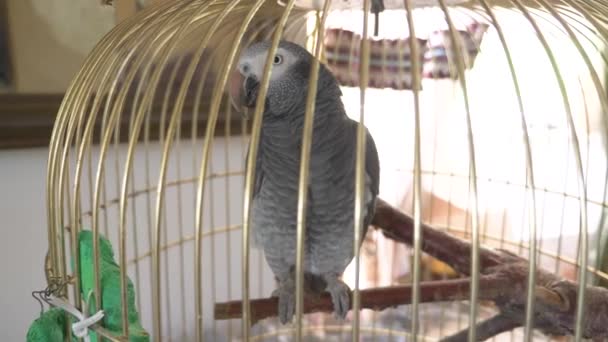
{"points": [[304, 169], [85, 145], [175, 119], [228, 249], [161, 141], [360, 166], [82, 93], [593, 73], [134, 214], [530, 298], [401, 75], [114, 118], [263, 32], [212, 244], [144, 114], [194, 134], [162, 36], [351, 58], [60, 272], [59, 147], [252, 155], [582, 274], [458, 51], [598, 86], [180, 227], [416, 87], [105, 126], [134, 134], [100, 174], [74, 225], [213, 114], [56, 147], [164, 237]]}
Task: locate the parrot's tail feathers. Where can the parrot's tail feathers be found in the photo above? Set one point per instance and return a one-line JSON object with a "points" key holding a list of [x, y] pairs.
{"points": [[315, 283]]}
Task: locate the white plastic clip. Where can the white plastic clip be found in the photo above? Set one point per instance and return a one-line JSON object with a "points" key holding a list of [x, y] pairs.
{"points": [[80, 328]]}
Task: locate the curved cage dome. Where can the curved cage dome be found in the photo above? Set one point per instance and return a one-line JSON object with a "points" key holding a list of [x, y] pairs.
{"points": [[488, 116]]}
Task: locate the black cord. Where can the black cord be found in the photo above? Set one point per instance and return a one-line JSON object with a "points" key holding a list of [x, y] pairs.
{"points": [[377, 7]]}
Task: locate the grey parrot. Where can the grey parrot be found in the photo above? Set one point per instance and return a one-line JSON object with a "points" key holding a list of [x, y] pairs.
{"points": [[328, 243]]}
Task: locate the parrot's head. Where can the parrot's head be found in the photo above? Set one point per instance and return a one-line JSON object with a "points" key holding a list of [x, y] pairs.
{"points": [[289, 76]]}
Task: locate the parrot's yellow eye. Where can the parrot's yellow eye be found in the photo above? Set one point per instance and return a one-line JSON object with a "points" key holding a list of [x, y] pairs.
{"points": [[278, 59]]}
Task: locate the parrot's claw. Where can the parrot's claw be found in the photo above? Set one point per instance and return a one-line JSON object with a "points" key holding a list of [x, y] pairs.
{"points": [[340, 296], [286, 295]]}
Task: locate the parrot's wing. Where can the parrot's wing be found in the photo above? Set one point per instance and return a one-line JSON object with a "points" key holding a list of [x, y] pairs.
{"points": [[372, 164], [372, 170]]}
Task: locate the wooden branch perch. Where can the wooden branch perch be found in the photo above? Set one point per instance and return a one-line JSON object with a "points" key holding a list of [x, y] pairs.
{"points": [[376, 299], [555, 308], [449, 249], [503, 280]]}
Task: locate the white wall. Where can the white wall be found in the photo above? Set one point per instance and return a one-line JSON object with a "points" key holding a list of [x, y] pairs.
{"points": [[23, 244], [63, 31], [23, 212]]}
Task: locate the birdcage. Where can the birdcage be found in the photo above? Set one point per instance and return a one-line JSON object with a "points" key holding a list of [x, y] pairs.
{"points": [[490, 124]]}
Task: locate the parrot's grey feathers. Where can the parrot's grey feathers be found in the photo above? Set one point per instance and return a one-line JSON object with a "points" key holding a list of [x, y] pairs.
{"points": [[372, 168], [301, 69], [329, 233]]}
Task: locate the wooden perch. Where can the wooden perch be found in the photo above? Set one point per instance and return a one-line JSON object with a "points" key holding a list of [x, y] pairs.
{"points": [[376, 299], [449, 249], [503, 280], [555, 308]]}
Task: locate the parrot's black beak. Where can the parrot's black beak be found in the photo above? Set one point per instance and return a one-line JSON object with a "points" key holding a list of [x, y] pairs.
{"points": [[243, 92], [250, 93]]}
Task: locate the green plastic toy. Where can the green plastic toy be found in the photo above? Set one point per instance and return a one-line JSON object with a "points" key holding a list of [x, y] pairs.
{"points": [[50, 326]]}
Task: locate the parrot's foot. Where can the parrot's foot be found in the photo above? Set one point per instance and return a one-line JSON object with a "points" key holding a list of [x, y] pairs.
{"points": [[287, 304], [340, 296]]}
